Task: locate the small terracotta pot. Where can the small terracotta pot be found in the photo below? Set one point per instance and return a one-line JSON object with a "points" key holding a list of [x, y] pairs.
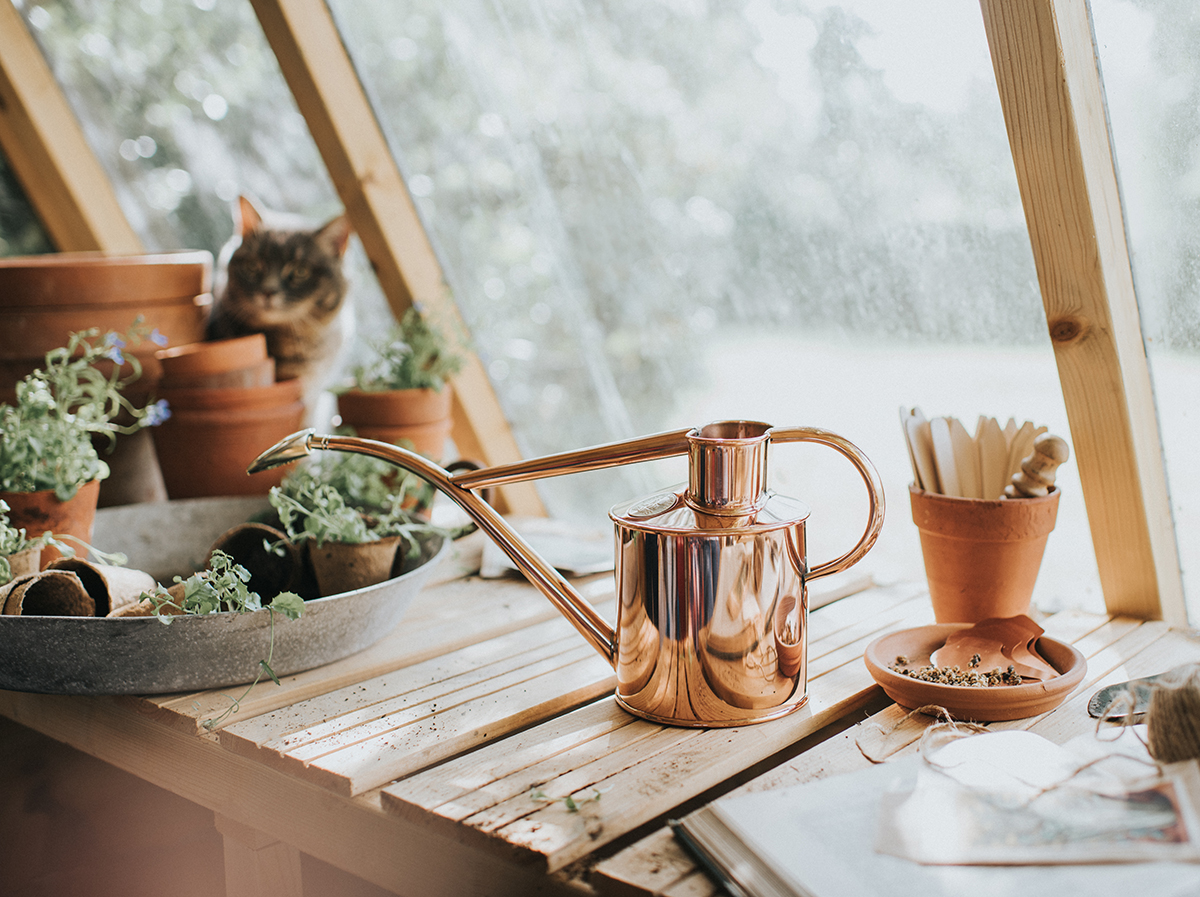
{"points": [[420, 416], [260, 373], [981, 557], [206, 452], [204, 359], [40, 512], [344, 567]]}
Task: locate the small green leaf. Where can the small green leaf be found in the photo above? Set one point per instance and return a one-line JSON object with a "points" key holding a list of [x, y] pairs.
{"points": [[289, 604], [569, 801], [270, 672]]}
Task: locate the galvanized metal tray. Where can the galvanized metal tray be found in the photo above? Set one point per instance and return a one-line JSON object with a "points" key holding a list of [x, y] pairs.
{"points": [[96, 656]]}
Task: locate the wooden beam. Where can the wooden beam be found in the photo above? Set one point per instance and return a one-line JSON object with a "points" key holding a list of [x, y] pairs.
{"points": [[1050, 89], [44, 144], [322, 79]]}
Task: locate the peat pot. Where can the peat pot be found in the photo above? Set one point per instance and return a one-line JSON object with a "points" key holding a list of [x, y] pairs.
{"points": [[711, 580]]}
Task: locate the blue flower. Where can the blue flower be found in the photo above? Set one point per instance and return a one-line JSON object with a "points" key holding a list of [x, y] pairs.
{"points": [[113, 345], [157, 413], [157, 338]]}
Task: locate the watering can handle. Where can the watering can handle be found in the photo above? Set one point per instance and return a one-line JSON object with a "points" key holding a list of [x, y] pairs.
{"points": [[870, 476]]}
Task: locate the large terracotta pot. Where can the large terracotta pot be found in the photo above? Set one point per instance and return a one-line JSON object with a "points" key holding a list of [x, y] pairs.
{"points": [[40, 512], [91, 278], [206, 452], [420, 416], [981, 557], [45, 298], [274, 395]]}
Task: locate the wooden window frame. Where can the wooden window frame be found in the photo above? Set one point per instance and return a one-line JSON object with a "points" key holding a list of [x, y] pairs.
{"points": [[1050, 90]]}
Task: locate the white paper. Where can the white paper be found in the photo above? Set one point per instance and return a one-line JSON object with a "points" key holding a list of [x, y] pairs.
{"points": [[820, 837]]}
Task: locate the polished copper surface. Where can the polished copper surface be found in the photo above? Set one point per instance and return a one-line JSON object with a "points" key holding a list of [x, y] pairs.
{"points": [[711, 581]]}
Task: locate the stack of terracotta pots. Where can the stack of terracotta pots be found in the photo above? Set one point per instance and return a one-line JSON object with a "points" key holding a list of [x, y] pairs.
{"points": [[45, 298], [226, 409]]}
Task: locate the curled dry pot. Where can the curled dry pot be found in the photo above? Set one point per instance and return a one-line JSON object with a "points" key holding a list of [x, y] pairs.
{"points": [[711, 580]]}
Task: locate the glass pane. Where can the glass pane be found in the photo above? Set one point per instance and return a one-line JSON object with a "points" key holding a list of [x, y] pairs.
{"points": [[1152, 82], [185, 107], [21, 232], [654, 214]]}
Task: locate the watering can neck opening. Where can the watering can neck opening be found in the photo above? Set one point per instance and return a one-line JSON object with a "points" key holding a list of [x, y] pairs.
{"points": [[727, 467]]}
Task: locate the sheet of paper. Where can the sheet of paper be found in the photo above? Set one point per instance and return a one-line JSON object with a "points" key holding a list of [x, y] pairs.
{"points": [[820, 835]]}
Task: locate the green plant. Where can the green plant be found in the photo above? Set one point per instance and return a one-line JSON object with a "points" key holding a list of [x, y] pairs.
{"points": [[222, 587], [12, 540], [414, 355], [46, 437], [342, 497]]}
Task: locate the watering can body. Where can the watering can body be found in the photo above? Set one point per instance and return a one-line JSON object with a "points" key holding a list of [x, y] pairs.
{"points": [[711, 621], [711, 578]]}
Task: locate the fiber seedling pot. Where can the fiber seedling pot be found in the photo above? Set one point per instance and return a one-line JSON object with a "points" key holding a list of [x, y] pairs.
{"points": [[344, 567], [981, 557]]}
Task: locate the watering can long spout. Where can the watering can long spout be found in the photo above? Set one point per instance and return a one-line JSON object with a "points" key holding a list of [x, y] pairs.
{"points": [[458, 487]]}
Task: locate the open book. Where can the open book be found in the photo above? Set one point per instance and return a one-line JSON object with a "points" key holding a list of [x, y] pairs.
{"points": [[819, 840]]}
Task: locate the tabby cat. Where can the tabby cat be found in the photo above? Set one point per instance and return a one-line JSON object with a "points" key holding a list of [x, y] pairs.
{"points": [[284, 279]]}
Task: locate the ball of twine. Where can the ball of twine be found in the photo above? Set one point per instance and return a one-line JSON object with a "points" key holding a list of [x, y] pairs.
{"points": [[1173, 717]]}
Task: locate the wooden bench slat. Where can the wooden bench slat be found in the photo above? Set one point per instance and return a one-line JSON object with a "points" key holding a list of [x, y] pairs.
{"points": [[392, 755]]}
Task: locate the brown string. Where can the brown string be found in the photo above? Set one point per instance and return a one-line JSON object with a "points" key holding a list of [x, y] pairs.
{"points": [[1173, 717], [948, 727]]}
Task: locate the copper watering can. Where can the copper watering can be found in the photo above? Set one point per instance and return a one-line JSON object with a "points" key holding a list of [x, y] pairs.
{"points": [[711, 580]]}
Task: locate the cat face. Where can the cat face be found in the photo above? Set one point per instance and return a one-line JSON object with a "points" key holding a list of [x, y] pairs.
{"points": [[280, 277]]}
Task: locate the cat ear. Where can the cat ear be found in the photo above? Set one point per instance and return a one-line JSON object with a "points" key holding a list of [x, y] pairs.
{"points": [[247, 218], [335, 235]]}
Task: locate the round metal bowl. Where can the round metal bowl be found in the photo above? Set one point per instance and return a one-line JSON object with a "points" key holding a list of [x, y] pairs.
{"points": [[141, 655]]}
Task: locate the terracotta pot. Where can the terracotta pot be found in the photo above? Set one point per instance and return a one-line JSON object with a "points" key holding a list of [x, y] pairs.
{"points": [[27, 334], [420, 416], [40, 512], [88, 278], [274, 395], [134, 476], [261, 373], [344, 567], [200, 360], [981, 557], [206, 452]]}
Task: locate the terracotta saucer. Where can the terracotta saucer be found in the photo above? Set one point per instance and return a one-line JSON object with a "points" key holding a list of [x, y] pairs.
{"points": [[963, 702]]}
